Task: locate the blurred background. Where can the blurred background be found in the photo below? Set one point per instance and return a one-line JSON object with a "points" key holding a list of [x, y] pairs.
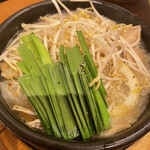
{"points": [[141, 8]]}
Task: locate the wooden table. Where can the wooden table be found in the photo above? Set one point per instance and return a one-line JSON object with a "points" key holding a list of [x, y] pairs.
{"points": [[8, 141]]}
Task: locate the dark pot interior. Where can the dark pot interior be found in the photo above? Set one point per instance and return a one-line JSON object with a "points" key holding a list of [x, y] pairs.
{"points": [[12, 25]]}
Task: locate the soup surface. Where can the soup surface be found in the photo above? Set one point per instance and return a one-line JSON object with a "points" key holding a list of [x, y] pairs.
{"points": [[122, 63]]}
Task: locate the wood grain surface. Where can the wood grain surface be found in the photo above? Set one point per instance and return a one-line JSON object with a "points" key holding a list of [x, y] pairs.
{"points": [[8, 141]]}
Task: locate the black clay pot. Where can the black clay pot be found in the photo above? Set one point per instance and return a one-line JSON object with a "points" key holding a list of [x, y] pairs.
{"points": [[9, 29]]}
